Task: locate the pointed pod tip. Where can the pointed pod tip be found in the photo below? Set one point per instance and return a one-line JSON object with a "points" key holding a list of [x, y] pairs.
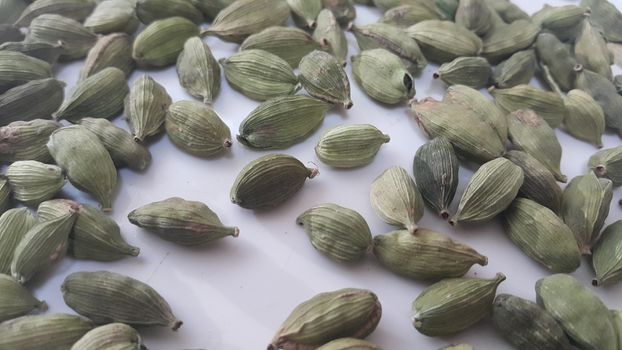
{"points": [[444, 214], [134, 251], [483, 260], [227, 143], [500, 277], [348, 104], [436, 75], [313, 172], [596, 282], [236, 231], [175, 325]]}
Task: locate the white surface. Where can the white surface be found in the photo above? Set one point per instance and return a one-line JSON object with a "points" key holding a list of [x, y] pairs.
{"points": [[235, 293]]}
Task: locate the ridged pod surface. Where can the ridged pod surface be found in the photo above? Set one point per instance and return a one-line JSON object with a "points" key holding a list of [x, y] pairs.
{"points": [[17, 68], [114, 336], [608, 164], [51, 28], [43, 332], [16, 300], [114, 50], [506, 40], [558, 59], [33, 182], [74, 9], [444, 41], [330, 35], [349, 344], [585, 119], [291, 44], [383, 76], [198, 70], [148, 11], [604, 93], [36, 99], [145, 107], [607, 256], [113, 16], [516, 70], [548, 105], [26, 140], [304, 12], [14, 224], [162, 41], [323, 77], [45, 51], [350, 146]]}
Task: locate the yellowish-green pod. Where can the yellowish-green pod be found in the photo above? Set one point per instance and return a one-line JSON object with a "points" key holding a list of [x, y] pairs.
{"points": [[304, 12], [17, 68], [26, 140], [563, 21], [113, 16], [198, 70], [75, 9], [383, 76], [475, 15], [516, 70], [291, 44], [548, 105], [43, 332], [51, 28], [37, 99], [33, 182], [330, 35], [149, 11], [404, 16], [506, 40], [591, 51], [349, 344], [16, 300], [117, 336], [444, 41], [162, 41], [607, 256], [145, 107], [473, 72], [323, 77], [14, 224], [114, 50], [608, 164], [585, 119], [350, 146]]}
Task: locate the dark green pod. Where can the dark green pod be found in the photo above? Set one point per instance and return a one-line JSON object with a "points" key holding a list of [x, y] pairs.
{"points": [[507, 40], [17, 69], [10, 33], [563, 21]]}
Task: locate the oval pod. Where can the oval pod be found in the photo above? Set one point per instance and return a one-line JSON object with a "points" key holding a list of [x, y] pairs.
{"points": [[162, 41], [516, 70], [304, 12], [470, 71], [506, 40], [75, 9], [324, 78], [114, 50], [33, 182], [149, 11], [26, 140], [548, 105], [350, 146], [604, 93], [113, 16], [43, 332], [51, 28], [198, 70], [16, 300], [112, 336], [145, 107], [37, 99], [14, 224], [330, 35], [558, 59], [444, 41], [291, 44], [17, 69], [585, 119], [608, 164], [607, 256], [43, 50]]}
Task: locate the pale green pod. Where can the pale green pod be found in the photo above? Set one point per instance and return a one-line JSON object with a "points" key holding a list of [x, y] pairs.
{"points": [[339, 233], [77, 10], [10, 10], [162, 41], [516, 70], [607, 17], [127, 300], [350, 146], [474, 15], [507, 40], [404, 16], [76, 39], [17, 69], [454, 304], [491, 190], [33, 182], [548, 105], [591, 51], [211, 8], [457, 347], [323, 77], [396, 199], [145, 107], [330, 35], [100, 95], [260, 75], [291, 44], [383, 76], [542, 236], [563, 21], [242, 18], [14, 224], [509, 11], [473, 72], [149, 11], [425, 255], [531, 134], [43, 50], [43, 244], [578, 310], [114, 336], [43, 332], [114, 50], [560, 62], [585, 206], [607, 256], [444, 41], [349, 344], [344, 10], [608, 164], [198, 70], [16, 300], [269, 181], [37, 99], [26, 140], [10, 33], [328, 316], [197, 129], [177, 220], [86, 161], [604, 93], [304, 12], [113, 16], [282, 122], [585, 119]]}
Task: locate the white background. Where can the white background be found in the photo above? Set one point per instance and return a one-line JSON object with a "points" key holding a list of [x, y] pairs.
{"points": [[235, 293]]}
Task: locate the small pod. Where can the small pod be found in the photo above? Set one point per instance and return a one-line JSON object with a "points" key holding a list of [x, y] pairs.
{"points": [[314, 322], [45, 51], [330, 35], [404, 16], [290, 44], [26, 140], [304, 12], [16, 300], [18, 69], [607, 256], [344, 10], [33, 182], [349, 344], [507, 40], [43, 332], [548, 105], [383, 76], [607, 17], [444, 41], [77, 40], [75, 9], [591, 50], [113, 16], [149, 11], [114, 50], [14, 224], [563, 21], [198, 70], [516, 70], [474, 15], [323, 77], [454, 304], [558, 59], [162, 41], [112, 336], [350, 146], [145, 107], [585, 119], [608, 164], [127, 300], [474, 72], [37, 99], [604, 93]]}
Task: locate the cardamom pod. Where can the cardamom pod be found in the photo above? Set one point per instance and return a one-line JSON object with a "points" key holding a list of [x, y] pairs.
{"points": [[383, 76], [404, 16], [350, 146], [180, 221], [474, 72], [33, 182], [349, 344], [304, 12], [604, 93], [43, 50], [16, 300], [100, 95], [113, 16], [324, 78], [282, 122], [5, 195], [26, 140], [197, 129], [127, 300], [509, 11], [457, 347], [11, 9], [290, 44], [444, 41], [608, 164], [591, 51], [313, 323], [211, 8], [585, 119], [114, 50], [162, 41], [10, 33], [43, 332], [110, 336], [385, 5], [607, 256], [563, 21], [18, 69], [546, 104], [77, 10], [516, 70], [606, 16], [454, 304], [269, 181], [86, 162], [579, 311], [330, 36], [425, 255], [339, 233], [77, 40], [344, 10], [616, 318], [145, 107], [474, 15], [37, 99], [14, 224], [149, 11], [396, 199], [507, 40], [198, 70], [558, 59]]}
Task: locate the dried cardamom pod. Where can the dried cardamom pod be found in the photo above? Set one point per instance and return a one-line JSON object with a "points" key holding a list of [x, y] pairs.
{"points": [[350, 146], [396, 199], [14, 224], [509, 11], [211, 8], [563, 21], [444, 41], [516, 70], [526, 325], [474, 72], [507, 40], [149, 11], [86, 162], [383, 76], [242, 18], [77, 10], [127, 300], [180, 221], [344, 10], [113, 16], [26, 140], [10, 33], [16, 300], [269, 181], [608, 164], [324, 78], [558, 59], [548, 105], [385, 5], [110, 336], [43, 50], [282, 122], [474, 15], [330, 36], [349, 344], [33, 182], [304, 12], [591, 51], [405, 16], [145, 107], [454, 304], [36, 99], [585, 119], [197, 129], [339, 233], [114, 50], [43, 332], [606, 256], [312, 323], [579, 311], [77, 40], [162, 41], [259, 74], [606, 16], [542, 236], [585, 206], [11, 9], [425, 255], [198, 70], [531, 134], [18, 69], [604, 93], [291, 44]]}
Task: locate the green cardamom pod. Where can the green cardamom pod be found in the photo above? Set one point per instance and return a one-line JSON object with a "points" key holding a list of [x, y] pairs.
{"points": [[43, 332], [113, 16], [10, 33], [304, 12], [474, 72], [26, 140], [5, 195], [516, 70], [474, 15], [259, 74], [606, 16], [526, 325], [591, 51], [579, 311], [444, 41], [14, 224], [546, 104], [290, 44], [425, 255], [330, 35], [282, 122], [585, 119], [558, 59], [111, 336], [344, 10], [33, 182], [16, 300], [507, 40], [404, 16], [127, 300], [18, 69], [385, 5], [100, 95], [269, 181], [114, 50], [542, 236], [563, 21], [436, 172], [11, 9], [197, 129], [37, 99], [43, 50], [608, 164], [324, 78], [86, 162], [198, 70], [77, 40], [149, 11], [145, 107], [313, 323], [211, 8], [383, 76], [77, 10], [162, 41], [180, 221], [454, 304], [604, 93], [509, 11], [396, 199], [350, 146], [349, 344], [607, 256], [339, 233]]}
